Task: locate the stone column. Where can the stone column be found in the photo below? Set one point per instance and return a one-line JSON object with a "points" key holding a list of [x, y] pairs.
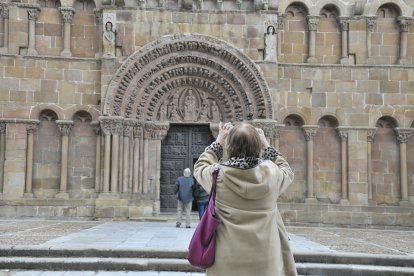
{"points": [[5, 15], [98, 18], [280, 26], [370, 140], [344, 24], [65, 127], [403, 134], [96, 127], [160, 134], [343, 134], [276, 135], [310, 132], [370, 28], [30, 129], [106, 129], [313, 22], [116, 132], [148, 135], [404, 23], [33, 13], [136, 171], [125, 168], [3, 127], [67, 17]]}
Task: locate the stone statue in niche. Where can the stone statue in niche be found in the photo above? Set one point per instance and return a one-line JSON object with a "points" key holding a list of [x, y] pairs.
{"points": [[270, 44], [109, 40], [163, 113], [190, 106]]}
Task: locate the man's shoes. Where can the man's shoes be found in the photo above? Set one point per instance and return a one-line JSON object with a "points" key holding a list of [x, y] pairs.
{"points": [[188, 227], [178, 225]]}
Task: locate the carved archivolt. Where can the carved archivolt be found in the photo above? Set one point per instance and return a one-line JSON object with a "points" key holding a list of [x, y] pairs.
{"points": [[188, 78]]}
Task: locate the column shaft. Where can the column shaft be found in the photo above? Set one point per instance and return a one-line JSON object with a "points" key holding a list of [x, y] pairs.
{"points": [[107, 162], [125, 177], [29, 165], [136, 166], [403, 171], [145, 168], [403, 45], [2, 157], [64, 164], [309, 170], [98, 164], [32, 40], [6, 33], [344, 170], [344, 44], [141, 165], [114, 163], [369, 157], [66, 39]]}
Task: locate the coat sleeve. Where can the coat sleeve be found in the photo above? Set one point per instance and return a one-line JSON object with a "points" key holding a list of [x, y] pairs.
{"points": [[204, 167], [286, 173]]}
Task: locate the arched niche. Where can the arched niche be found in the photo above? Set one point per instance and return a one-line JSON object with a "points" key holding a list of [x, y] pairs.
{"points": [[292, 145], [46, 156], [327, 161], [164, 78], [82, 143], [330, 11], [385, 163]]}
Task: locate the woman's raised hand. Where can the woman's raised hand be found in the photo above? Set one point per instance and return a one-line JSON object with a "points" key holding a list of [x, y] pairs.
{"points": [[263, 140], [224, 130]]}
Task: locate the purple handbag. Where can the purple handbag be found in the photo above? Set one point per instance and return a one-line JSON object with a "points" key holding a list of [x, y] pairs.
{"points": [[202, 248]]}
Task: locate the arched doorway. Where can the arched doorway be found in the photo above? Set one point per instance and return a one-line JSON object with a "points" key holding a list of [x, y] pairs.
{"points": [[179, 150]]}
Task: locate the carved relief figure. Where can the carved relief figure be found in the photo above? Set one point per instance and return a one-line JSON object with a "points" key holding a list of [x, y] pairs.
{"points": [[109, 40], [215, 113], [190, 107], [270, 44], [163, 113]]}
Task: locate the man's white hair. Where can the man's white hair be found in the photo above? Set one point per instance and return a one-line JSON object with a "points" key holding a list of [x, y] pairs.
{"points": [[187, 172]]}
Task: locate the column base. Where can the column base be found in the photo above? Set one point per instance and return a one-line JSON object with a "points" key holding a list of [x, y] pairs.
{"points": [[311, 200], [28, 195], [312, 60], [109, 195], [403, 61], [404, 203], [62, 195], [98, 55], [32, 52], [66, 53], [370, 61], [372, 202], [344, 201], [156, 208]]}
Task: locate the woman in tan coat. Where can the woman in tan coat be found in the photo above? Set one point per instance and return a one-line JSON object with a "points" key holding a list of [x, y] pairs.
{"points": [[251, 240]]}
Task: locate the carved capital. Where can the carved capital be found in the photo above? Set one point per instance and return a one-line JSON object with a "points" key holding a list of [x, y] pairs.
{"points": [[404, 23], [309, 131], [403, 134], [4, 10], [137, 131], [31, 128], [96, 127], [277, 129], [111, 125], [3, 127], [161, 131], [313, 22], [343, 133], [371, 134], [67, 14], [149, 131], [65, 126], [267, 126], [127, 130], [33, 13], [370, 22], [280, 22], [344, 23]]}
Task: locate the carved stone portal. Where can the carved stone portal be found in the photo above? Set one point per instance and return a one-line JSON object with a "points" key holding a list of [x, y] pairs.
{"points": [[188, 78], [188, 105]]}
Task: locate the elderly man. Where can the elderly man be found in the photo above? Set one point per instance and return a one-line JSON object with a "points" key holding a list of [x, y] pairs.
{"points": [[184, 191]]}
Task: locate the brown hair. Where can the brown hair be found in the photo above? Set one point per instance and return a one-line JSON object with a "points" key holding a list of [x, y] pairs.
{"points": [[243, 141]]}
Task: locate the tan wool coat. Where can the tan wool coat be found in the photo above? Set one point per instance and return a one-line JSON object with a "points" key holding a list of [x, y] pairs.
{"points": [[251, 239]]}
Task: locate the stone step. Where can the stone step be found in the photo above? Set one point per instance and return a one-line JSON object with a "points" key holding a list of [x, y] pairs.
{"points": [[180, 265]]}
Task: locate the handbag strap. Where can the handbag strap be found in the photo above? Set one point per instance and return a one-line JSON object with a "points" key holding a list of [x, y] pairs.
{"points": [[212, 199]]}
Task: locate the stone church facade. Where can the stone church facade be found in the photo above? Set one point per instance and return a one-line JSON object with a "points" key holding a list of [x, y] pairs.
{"points": [[103, 104]]}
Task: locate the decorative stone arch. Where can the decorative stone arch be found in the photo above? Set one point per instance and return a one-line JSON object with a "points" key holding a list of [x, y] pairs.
{"points": [[331, 118], [332, 9], [70, 112], [300, 112], [296, 116], [37, 110], [372, 8], [49, 3], [165, 70], [390, 121], [339, 5], [304, 3]]}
